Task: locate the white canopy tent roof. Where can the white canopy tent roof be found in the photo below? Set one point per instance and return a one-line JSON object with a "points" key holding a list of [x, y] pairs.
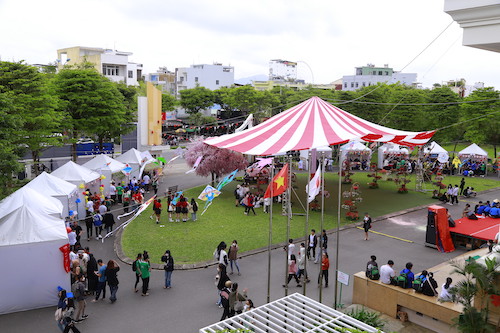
{"points": [[75, 173], [294, 313], [355, 147], [473, 151], [103, 162], [58, 188], [136, 160], [438, 151], [31, 233]]}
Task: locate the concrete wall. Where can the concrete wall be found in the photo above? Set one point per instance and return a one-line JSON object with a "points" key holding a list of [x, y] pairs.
{"points": [[154, 115]]}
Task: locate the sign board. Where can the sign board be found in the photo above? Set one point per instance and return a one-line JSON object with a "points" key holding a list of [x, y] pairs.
{"points": [[343, 278]]}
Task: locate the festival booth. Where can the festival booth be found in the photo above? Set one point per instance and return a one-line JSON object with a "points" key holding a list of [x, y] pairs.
{"points": [[436, 152], [83, 178], [356, 154], [32, 240], [136, 161], [390, 152], [473, 155], [105, 166], [304, 155], [58, 188]]}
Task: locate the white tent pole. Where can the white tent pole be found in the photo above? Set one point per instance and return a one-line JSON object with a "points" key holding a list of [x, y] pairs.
{"points": [[288, 218], [306, 229], [338, 232], [270, 235], [322, 175]]}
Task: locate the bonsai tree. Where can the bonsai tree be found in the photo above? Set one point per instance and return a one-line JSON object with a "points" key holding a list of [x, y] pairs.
{"points": [[353, 196]]}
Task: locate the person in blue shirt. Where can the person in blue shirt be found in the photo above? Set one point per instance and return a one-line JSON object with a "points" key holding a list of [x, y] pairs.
{"points": [[409, 274], [101, 282], [487, 208], [481, 208], [495, 211]]}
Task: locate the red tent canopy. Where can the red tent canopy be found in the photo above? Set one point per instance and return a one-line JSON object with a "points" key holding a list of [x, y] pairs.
{"points": [[312, 124]]}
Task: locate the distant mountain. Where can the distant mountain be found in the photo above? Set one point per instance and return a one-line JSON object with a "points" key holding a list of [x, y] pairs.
{"points": [[248, 80]]}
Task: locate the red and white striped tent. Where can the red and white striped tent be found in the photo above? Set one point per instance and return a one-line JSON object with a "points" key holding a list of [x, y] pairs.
{"points": [[312, 124]]}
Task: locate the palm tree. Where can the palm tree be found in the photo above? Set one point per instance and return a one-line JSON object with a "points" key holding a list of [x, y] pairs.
{"points": [[472, 292]]}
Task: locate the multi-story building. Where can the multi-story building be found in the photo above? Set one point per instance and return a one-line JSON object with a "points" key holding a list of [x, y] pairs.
{"points": [[282, 70], [163, 78], [112, 64], [370, 75], [296, 85], [211, 77]]}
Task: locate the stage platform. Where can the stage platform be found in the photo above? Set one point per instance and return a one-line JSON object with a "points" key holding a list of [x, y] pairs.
{"points": [[482, 228]]}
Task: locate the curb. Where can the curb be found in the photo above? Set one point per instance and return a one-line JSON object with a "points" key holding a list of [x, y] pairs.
{"points": [[205, 264]]}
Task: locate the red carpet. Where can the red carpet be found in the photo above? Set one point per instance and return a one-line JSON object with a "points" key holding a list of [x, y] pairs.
{"points": [[483, 229]]}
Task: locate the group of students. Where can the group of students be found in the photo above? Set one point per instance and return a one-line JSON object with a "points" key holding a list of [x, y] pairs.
{"points": [[423, 283], [229, 298], [482, 209], [250, 201]]}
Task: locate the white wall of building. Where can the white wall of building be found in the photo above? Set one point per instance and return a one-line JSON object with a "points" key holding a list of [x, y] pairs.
{"points": [[355, 82], [282, 70], [212, 77]]}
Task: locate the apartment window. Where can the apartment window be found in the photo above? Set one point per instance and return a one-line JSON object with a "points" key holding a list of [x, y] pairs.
{"points": [[364, 84], [374, 72], [379, 72], [217, 82], [352, 84], [130, 74], [110, 70], [386, 73], [357, 85], [345, 84], [195, 79]]}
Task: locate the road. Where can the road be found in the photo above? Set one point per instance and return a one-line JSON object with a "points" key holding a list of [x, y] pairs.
{"points": [[190, 304]]}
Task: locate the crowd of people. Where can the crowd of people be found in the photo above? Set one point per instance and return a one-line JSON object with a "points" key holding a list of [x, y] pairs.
{"points": [[482, 210], [422, 283]]}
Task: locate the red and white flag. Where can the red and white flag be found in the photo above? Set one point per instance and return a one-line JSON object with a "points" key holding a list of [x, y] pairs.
{"points": [[314, 185]]}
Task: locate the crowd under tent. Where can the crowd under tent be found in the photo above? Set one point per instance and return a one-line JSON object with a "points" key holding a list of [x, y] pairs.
{"points": [[136, 160], [32, 232], [83, 178], [435, 152], [389, 152], [58, 188], [106, 166], [291, 314], [356, 153], [304, 154]]}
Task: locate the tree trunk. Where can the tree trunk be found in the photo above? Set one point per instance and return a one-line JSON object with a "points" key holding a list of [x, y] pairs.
{"points": [[100, 145], [73, 147], [36, 162]]}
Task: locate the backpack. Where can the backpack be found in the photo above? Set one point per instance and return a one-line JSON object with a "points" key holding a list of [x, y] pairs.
{"points": [[418, 284], [374, 274], [401, 280], [134, 266], [97, 220]]}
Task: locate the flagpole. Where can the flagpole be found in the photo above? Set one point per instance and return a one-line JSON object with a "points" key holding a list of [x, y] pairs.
{"points": [[321, 221], [306, 229], [270, 236], [338, 230], [288, 217]]}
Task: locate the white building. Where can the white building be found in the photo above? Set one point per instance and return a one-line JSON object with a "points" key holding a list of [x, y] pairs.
{"points": [[282, 70], [211, 77], [370, 75], [113, 64], [163, 78]]}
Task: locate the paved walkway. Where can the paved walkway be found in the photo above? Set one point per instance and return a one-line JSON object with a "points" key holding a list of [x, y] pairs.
{"points": [[190, 304]]}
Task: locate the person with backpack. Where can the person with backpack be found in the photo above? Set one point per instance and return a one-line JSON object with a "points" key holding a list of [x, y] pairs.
{"points": [[111, 273], [98, 225], [144, 269], [193, 209], [79, 295], [406, 276], [418, 282], [429, 285], [372, 271], [134, 269], [169, 268]]}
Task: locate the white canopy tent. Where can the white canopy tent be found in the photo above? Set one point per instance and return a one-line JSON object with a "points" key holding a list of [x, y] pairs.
{"points": [[106, 166], [435, 151], [355, 151], [77, 175], [58, 188], [390, 151], [136, 160], [473, 152], [304, 154], [31, 233], [294, 313]]}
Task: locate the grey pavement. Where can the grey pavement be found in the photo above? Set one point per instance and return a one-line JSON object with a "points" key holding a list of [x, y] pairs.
{"points": [[190, 304]]}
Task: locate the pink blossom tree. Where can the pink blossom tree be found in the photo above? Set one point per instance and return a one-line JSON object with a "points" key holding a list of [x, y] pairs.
{"points": [[216, 161]]}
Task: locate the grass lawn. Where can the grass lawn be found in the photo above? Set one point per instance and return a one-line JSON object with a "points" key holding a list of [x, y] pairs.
{"points": [[193, 242]]}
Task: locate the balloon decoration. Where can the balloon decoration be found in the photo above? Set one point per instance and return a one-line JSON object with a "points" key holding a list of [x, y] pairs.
{"points": [[103, 177], [82, 185], [71, 213], [78, 200]]}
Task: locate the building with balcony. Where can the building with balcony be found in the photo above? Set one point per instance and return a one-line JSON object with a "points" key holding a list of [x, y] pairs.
{"points": [[211, 77], [113, 64], [162, 78], [370, 75]]}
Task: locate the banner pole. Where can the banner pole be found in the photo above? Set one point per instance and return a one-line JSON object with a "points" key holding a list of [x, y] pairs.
{"points": [[270, 236], [338, 229]]}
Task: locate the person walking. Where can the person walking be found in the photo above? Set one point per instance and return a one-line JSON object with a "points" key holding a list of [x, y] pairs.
{"points": [[169, 268], [193, 209], [79, 295], [233, 256], [144, 269], [312, 243], [292, 271], [101, 282], [98, 225], [236, 300], [367, 224], [92, 278], [323, 244], [136, 271], [325, 265], [68, 316], [157, 210], [302, 263], [62, 304], [221, 280], [89, 224], [454, 195], [220, 254], [112, 278], [462, 186], [249, 203]]}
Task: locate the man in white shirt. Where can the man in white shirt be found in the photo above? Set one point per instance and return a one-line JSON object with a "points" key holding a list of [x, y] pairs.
{"points": [[90, 206], [103, 209], [112, 192], [146, 179], [387, 273]]}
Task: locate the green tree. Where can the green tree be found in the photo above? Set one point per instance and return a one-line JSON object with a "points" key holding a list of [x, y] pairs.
{"points": [[482, 119], [404, 117], [196, 99], [33, 99], [168, 102], [93, 104], [437, 116]]}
